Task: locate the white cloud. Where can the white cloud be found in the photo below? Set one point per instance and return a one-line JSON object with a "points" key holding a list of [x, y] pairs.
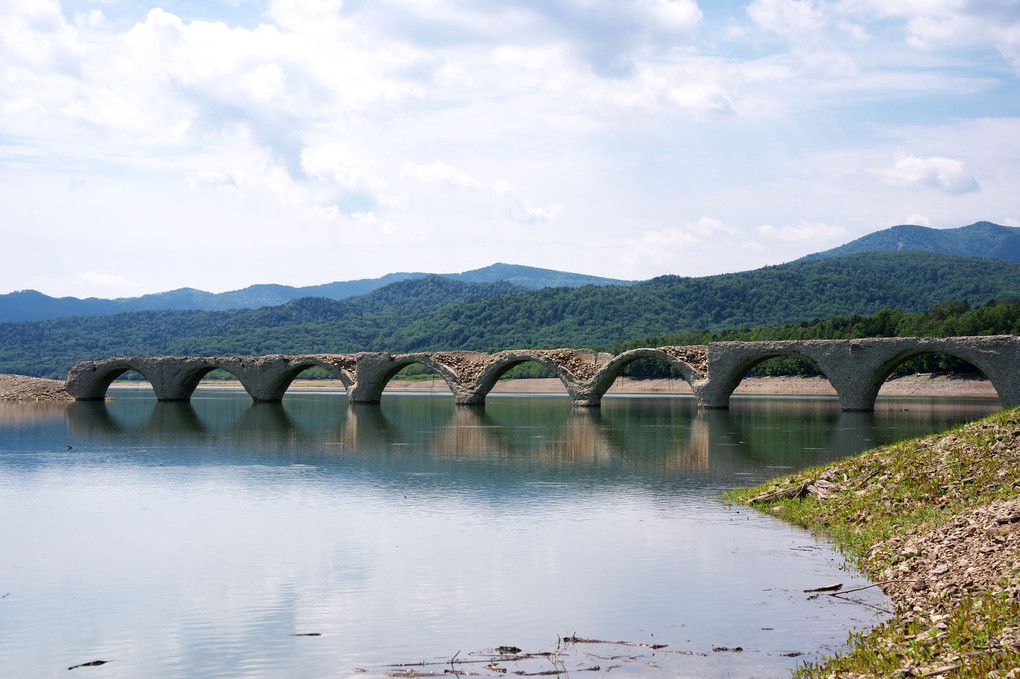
{"points": [[655, 86], [803, 232], [333, 163], [789, 18], [681, 15], [672, 245], [499, 194], [915, 218], [945, 174], [930, 24], [33, 34], [854, 30], [575, 122], [106, 284]]}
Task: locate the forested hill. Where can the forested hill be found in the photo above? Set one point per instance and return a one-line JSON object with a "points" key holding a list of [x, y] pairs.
{"points": [[982, 239], [438, 313], [30, 305]]}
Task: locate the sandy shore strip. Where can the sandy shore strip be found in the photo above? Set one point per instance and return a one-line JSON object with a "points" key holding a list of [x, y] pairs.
{"points": [[24, 388], [920, 384]]}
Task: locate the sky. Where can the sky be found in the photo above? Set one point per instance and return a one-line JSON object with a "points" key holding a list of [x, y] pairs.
{"points": [[217, 144]]}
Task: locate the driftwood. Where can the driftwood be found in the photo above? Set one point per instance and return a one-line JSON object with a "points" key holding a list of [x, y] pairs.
{"points": [[791, 493], [828, 588], [495, 659], [858, 589], [93, 663], [582, 640], [820, 488]]}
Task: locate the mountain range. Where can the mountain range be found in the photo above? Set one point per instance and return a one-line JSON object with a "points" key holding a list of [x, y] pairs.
{"points": [[438, 313], [982, 239], [420, 312], [30, 305]]}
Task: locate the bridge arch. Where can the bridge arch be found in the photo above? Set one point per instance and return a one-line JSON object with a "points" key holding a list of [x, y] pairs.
{"points": [[375, 373], [90, 380], [172, 378], [484, 379], [267, 378], [605, 378], [972, 355], [731, 361], [182, 385]]}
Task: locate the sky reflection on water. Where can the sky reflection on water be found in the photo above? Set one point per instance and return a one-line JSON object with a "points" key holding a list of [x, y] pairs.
{"points": [[195, 539]]}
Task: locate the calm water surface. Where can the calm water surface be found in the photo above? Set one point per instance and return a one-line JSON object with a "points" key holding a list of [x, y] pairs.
{"points": [[187, 540]]}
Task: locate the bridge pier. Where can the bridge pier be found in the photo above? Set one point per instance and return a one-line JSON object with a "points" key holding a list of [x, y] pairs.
{"points": [[711, 395], [176, 380], [371, 373]]}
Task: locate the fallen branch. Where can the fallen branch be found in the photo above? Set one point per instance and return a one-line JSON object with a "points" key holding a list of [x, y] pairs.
{"points": [[858, 589], [582, 640], [826, 588], [791, 493], [93, 663]]}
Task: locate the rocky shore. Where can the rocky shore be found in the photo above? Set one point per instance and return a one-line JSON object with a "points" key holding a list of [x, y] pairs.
{"points": [[936, 522]]}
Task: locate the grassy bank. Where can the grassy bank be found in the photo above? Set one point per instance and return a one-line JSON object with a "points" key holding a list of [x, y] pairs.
{"points": [[937, 521]]}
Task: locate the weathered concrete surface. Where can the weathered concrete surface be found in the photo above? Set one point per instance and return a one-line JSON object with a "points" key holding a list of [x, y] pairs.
{"points": [[576, 368], [856, 368], [173, 378]]}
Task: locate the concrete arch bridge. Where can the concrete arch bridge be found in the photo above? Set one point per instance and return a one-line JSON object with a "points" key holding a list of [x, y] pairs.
{"points": [[855, 368]]}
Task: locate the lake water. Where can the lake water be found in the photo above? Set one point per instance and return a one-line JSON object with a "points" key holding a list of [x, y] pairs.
{"points": [[316, 539]]}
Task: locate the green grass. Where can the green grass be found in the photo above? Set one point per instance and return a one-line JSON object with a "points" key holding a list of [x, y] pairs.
{"points": [[961, 641], [906, 489]]}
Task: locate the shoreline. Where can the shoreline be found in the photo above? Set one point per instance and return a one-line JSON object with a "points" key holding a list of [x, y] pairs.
{"points": [[24, 388], [920, 384], [934, 522]]}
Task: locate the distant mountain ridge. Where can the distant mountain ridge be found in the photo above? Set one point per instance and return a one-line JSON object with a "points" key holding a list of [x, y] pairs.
{"points": [[30, 305], [981, 239], [439, 313]]}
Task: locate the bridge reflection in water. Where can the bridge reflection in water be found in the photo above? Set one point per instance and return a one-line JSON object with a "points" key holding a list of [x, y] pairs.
{"points": [[657, 435]]}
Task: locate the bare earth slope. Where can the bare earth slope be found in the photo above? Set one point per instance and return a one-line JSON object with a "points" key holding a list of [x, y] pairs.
{"points": [[24, 388]]}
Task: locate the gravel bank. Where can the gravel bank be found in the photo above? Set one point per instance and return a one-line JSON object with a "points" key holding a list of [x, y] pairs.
{"points": [[24, 388]]}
